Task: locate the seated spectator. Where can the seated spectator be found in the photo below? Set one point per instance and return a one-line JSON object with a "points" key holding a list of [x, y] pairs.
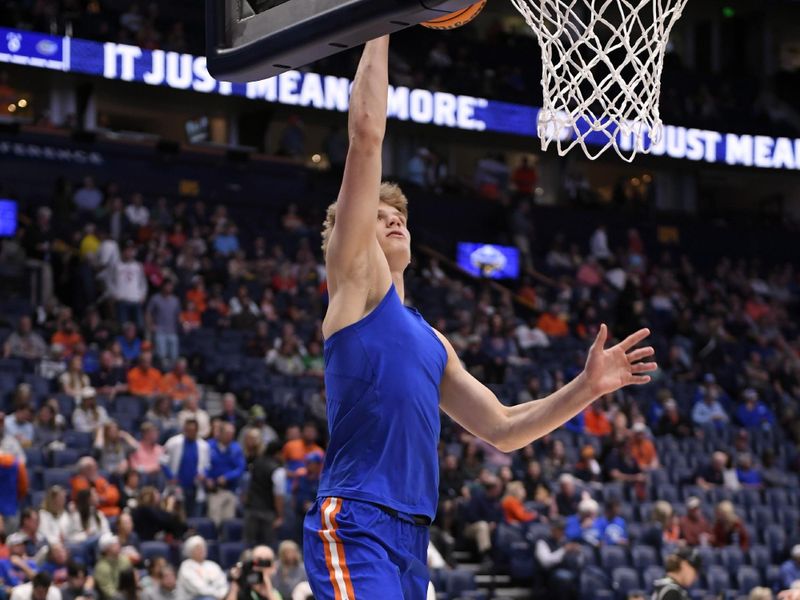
{"points": [[129, 491], [713, 474], [109, 380], [55, 563], [672, 422], [24, 342], [112, 447], [761, 593], [596, 420], [198, 577], [48, 426], [622, 467], [20, 424], [87, 198], [9, 444], [192, 411], [18, 567], [13, 487], [513, 504], [129, 342], [79, 585], [231, 413], [583, 527], [128, 539], [29, 525], [708, 413], [161, 415], [165, 587], [67, 336], [754, 414], [40, 587], [286, 359], [298, 446], [83, 521], [89, 417], [481, 515], [728, 527], [111, 564], [150, 519], [227, 465], [612, 526], [642, 448], [790, 569], [146, 458], [88, 477], [588, 469], [144, 379], [290, 570], [178, 384], [772, 475], [553, 322], [264, 568], [53, 515], [663, 529], [747, 474], [567, 498], [74, 381], [695, 528], [244, 311], [258, 423], [555, 462], [559, 561]]}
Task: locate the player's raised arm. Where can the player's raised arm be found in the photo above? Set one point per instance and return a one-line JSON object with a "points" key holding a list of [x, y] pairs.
{"points": [[353, 234]]}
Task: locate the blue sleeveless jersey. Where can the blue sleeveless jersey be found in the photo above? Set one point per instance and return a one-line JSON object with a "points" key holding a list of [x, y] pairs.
{"points": [[382, 377]]}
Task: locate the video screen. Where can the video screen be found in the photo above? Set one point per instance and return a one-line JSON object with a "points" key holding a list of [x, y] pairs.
{"points": [[8, 218], [488, 260]]}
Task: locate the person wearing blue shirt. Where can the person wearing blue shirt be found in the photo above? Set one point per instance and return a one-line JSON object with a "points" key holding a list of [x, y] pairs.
{"points": [[130, 345], [576, 424], [708, 413], [754, 414], [583, 527], [227, 243], [17, 568], [790, 570], [612, 527], [185, 462], [223, 474], [747, 475], [20, 424]]}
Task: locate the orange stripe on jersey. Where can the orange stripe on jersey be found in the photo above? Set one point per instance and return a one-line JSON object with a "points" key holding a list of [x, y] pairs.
{"points": [[334, 551]]}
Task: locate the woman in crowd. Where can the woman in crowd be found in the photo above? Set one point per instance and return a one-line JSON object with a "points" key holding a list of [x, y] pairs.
{"points": [[84, 522], [53, 518], [199, 577], [48, 425], [89, 417], [728, 529], [290, 570], [113, 446], [151, 520], [162, 416], [74, 381]]}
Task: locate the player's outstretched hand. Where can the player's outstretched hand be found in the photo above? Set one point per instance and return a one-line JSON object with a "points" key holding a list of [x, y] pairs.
{"points": [[608, 369]]}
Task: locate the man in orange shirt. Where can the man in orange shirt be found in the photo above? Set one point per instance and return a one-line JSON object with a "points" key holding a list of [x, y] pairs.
{"points": [[178, 384], [297, 447], [553, 323], [144, 379], [88, 477], [595, 420], [642, 449], [67, 336]]}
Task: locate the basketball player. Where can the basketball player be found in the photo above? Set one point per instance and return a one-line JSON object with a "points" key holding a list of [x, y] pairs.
{"points": [[388, 373]]}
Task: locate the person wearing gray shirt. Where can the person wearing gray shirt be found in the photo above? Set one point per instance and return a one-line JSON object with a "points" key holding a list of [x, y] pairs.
{"points": [[163, 318]]}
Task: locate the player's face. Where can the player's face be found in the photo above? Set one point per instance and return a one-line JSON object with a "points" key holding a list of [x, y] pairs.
{"points": [[393, 235]]}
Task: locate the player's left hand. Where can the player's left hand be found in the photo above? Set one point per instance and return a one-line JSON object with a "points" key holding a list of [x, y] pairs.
{"points": [[608, 369]]}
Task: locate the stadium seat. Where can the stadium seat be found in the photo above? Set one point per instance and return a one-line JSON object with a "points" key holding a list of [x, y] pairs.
{"points": [[522, 565], [592, 579], [732, 558], [78, 440], [66, 457], [57, 476], [643, 557], [775, 540], [459, 581], [203, 526], [759, 557], [747, 578], [612, 557], [231, 530], [717, 579], [34, 458], [651, 575], [152, 549], [762, 516], [623, 580], [772, 577], [777, 498], [230, 553]]}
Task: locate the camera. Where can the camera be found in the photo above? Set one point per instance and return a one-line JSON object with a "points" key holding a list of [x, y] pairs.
{"points": [[248, 576]]}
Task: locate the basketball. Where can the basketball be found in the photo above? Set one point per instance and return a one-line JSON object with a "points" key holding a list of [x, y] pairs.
{"points": [[456, 19]]}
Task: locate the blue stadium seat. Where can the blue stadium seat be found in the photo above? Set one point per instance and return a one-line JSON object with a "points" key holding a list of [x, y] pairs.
{"points": [[459, 581], [229, 553], [772, 577], [612, 557], [66, 405], [775, 540], [57, 476], [732, 558], [83, 552], [78, 440], [717, 579], [212, 551], [203, 526], [776, 497], [759, 557], [34, 458], [747, 578], [643, 557], [231, 530], [150, 550], [762, 516], [521, 565], [66, 457], [748, 497], [651, 575], [591, 580], [668, 493], [623, 580], [37, 498]]}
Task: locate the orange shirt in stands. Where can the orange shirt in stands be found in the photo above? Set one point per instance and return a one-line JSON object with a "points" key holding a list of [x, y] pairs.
{"points": [[67, 340], [107, 493], [596, 422], [643, 452], [178, 387], [552, 325], [144, 382], [515, 511], [296, 450]]}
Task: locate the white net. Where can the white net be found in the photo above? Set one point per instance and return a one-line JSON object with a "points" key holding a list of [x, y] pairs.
{"points": [[601, 71]]}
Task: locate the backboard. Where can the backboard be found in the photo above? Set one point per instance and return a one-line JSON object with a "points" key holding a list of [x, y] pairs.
{"points": [[248, 40]]}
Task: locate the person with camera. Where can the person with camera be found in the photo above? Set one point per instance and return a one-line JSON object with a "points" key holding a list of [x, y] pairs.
{"points": [[251, 579]]}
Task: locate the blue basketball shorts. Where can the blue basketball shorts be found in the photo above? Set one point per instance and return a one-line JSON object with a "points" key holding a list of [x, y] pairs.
{"points": [[353, 550]]}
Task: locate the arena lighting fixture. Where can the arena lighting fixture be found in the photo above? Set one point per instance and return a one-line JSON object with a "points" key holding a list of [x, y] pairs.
{"points": [[22, 103], [12, 108]]}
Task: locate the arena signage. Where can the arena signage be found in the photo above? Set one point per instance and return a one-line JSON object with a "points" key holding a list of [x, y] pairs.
{"points": [[123, 62]]}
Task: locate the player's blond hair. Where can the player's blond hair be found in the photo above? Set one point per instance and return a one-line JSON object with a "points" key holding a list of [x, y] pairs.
{"points": [[390, 193]]}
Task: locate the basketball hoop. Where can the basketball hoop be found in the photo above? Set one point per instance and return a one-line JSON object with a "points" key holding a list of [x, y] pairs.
{"points": [[601, 63]]}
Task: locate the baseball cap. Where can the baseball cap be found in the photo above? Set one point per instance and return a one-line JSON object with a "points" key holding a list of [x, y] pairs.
{"points": [[639, 427], [691, 556], [693, 502], [106, 541], [16, 538]]}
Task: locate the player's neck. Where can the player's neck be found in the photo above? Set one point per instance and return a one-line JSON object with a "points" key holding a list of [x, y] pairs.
{"points": [[399, 284]]}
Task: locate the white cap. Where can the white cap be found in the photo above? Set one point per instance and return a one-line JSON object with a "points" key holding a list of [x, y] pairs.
{"points": [[106, 541]]}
